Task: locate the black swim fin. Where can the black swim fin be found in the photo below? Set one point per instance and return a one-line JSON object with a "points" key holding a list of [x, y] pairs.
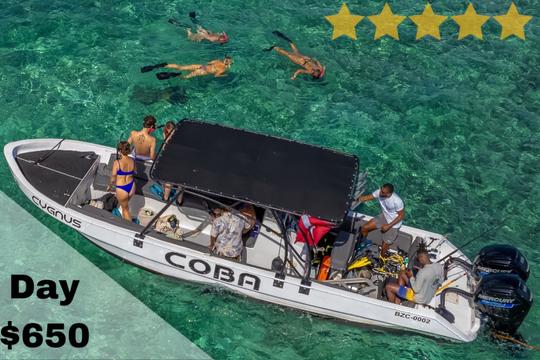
{"points": [[193, 17], [270, 48], [148, 68], [167, 75], [282, 35]]}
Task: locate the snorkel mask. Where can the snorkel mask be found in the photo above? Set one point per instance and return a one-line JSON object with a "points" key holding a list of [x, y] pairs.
{"points": [[321, 73], [223, 38], [151, 130]]}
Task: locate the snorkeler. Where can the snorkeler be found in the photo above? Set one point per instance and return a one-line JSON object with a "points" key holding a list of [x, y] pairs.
{"points": [[201, 33], [310, 66], [218, 68]]}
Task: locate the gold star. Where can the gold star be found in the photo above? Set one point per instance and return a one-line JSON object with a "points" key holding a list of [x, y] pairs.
{"points": [[470, 23], [428, 23], [386, 23], [513, 23], [344, 23]]}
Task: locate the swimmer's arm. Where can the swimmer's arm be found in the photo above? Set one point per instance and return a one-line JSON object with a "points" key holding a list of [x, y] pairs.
{"points": [[130, 139], [220, 74], [298, 72]]}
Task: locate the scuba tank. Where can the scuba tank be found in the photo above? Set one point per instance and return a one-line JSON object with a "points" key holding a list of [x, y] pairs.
{"points": [[324, 269]]}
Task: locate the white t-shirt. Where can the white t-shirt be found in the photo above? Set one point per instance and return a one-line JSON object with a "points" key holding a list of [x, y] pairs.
{"points": [[390, 207]]}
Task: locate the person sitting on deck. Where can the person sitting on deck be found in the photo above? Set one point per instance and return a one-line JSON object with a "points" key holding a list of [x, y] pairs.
{"points": [[389, 220], [144, 144], [226, 233], [420, 288], [249, 212]]}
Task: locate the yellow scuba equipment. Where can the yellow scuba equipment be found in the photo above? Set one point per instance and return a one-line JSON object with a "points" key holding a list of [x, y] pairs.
{"points": [[364, 261], [390, 265]]}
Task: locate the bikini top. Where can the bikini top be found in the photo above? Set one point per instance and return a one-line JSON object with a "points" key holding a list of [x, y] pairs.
{"points": [[120, 172]]}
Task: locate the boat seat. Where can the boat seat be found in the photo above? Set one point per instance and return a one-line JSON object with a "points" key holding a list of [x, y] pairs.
{"points": [[117, 221], [403, 241]]}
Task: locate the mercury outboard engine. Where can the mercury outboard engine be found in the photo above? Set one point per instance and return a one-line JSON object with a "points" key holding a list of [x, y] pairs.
{"points": [[497, 259], [505, 299]]}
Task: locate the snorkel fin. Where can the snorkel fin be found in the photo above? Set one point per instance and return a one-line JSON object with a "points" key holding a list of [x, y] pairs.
{"points": [[167, 75], [148, 68], [193, 17], [281, 35], [270, 48]]}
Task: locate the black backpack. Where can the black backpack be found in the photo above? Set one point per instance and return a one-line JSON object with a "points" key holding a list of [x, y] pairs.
{"points": [[109, 201]]}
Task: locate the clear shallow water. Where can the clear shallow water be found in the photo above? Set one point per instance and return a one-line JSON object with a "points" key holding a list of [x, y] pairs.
{"points": [[453, 124]]}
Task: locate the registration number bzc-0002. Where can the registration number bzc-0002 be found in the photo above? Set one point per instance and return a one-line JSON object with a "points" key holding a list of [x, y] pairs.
{"points": [[412, 317]]}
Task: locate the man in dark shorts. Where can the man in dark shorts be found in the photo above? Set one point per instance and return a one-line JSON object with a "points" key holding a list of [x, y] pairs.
{"points": [[389, 220]]}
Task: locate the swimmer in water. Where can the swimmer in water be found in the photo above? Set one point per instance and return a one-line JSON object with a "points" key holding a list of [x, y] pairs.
{"points": [[218, 68], [201, 33], [309, 65]]}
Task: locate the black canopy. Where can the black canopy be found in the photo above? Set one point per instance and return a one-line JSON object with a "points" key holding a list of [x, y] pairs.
{"points": [[263, 170]]}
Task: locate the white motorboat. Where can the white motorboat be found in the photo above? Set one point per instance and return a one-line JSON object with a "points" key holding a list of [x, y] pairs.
{"points": [[216, 165]]}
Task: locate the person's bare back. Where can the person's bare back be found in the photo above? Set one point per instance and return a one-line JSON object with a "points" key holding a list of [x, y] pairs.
{"points": [[144, 144]]}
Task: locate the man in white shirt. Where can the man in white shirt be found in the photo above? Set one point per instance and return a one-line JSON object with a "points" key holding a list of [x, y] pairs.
{"points": [[389, 220]]}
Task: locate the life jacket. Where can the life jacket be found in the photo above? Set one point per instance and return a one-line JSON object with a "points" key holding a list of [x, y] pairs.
{"points": [[312, 230]]}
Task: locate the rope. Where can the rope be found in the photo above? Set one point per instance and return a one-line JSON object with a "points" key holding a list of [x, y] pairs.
{"points": [[503, 336], [49, 153]]}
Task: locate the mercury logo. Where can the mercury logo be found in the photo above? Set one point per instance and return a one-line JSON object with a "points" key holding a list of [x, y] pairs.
{"points": [[491, 270], [496, 299]]}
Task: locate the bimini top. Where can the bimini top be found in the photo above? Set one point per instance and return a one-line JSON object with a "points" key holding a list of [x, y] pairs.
{"points": [[263, 170]]}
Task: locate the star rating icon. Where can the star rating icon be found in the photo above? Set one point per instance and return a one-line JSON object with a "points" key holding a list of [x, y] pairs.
{"points": [[386, 23], [470, 23], [344, 23], [513, 23], [428, 23]]}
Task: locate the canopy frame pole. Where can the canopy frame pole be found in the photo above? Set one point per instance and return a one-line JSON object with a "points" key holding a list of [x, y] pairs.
{"points": [[287, 245], [154, 219], [307, 270]]}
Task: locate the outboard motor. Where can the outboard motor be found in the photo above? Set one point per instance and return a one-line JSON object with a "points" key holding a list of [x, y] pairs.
{"points": [[505, 299], [497, 259]]}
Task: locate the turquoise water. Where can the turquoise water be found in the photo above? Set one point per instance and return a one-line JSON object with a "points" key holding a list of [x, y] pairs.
{"points": [[453, 124]]}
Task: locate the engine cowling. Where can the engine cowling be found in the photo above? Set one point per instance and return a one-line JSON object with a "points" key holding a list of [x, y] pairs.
{"points": [[505, 299], [500, 259]]}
